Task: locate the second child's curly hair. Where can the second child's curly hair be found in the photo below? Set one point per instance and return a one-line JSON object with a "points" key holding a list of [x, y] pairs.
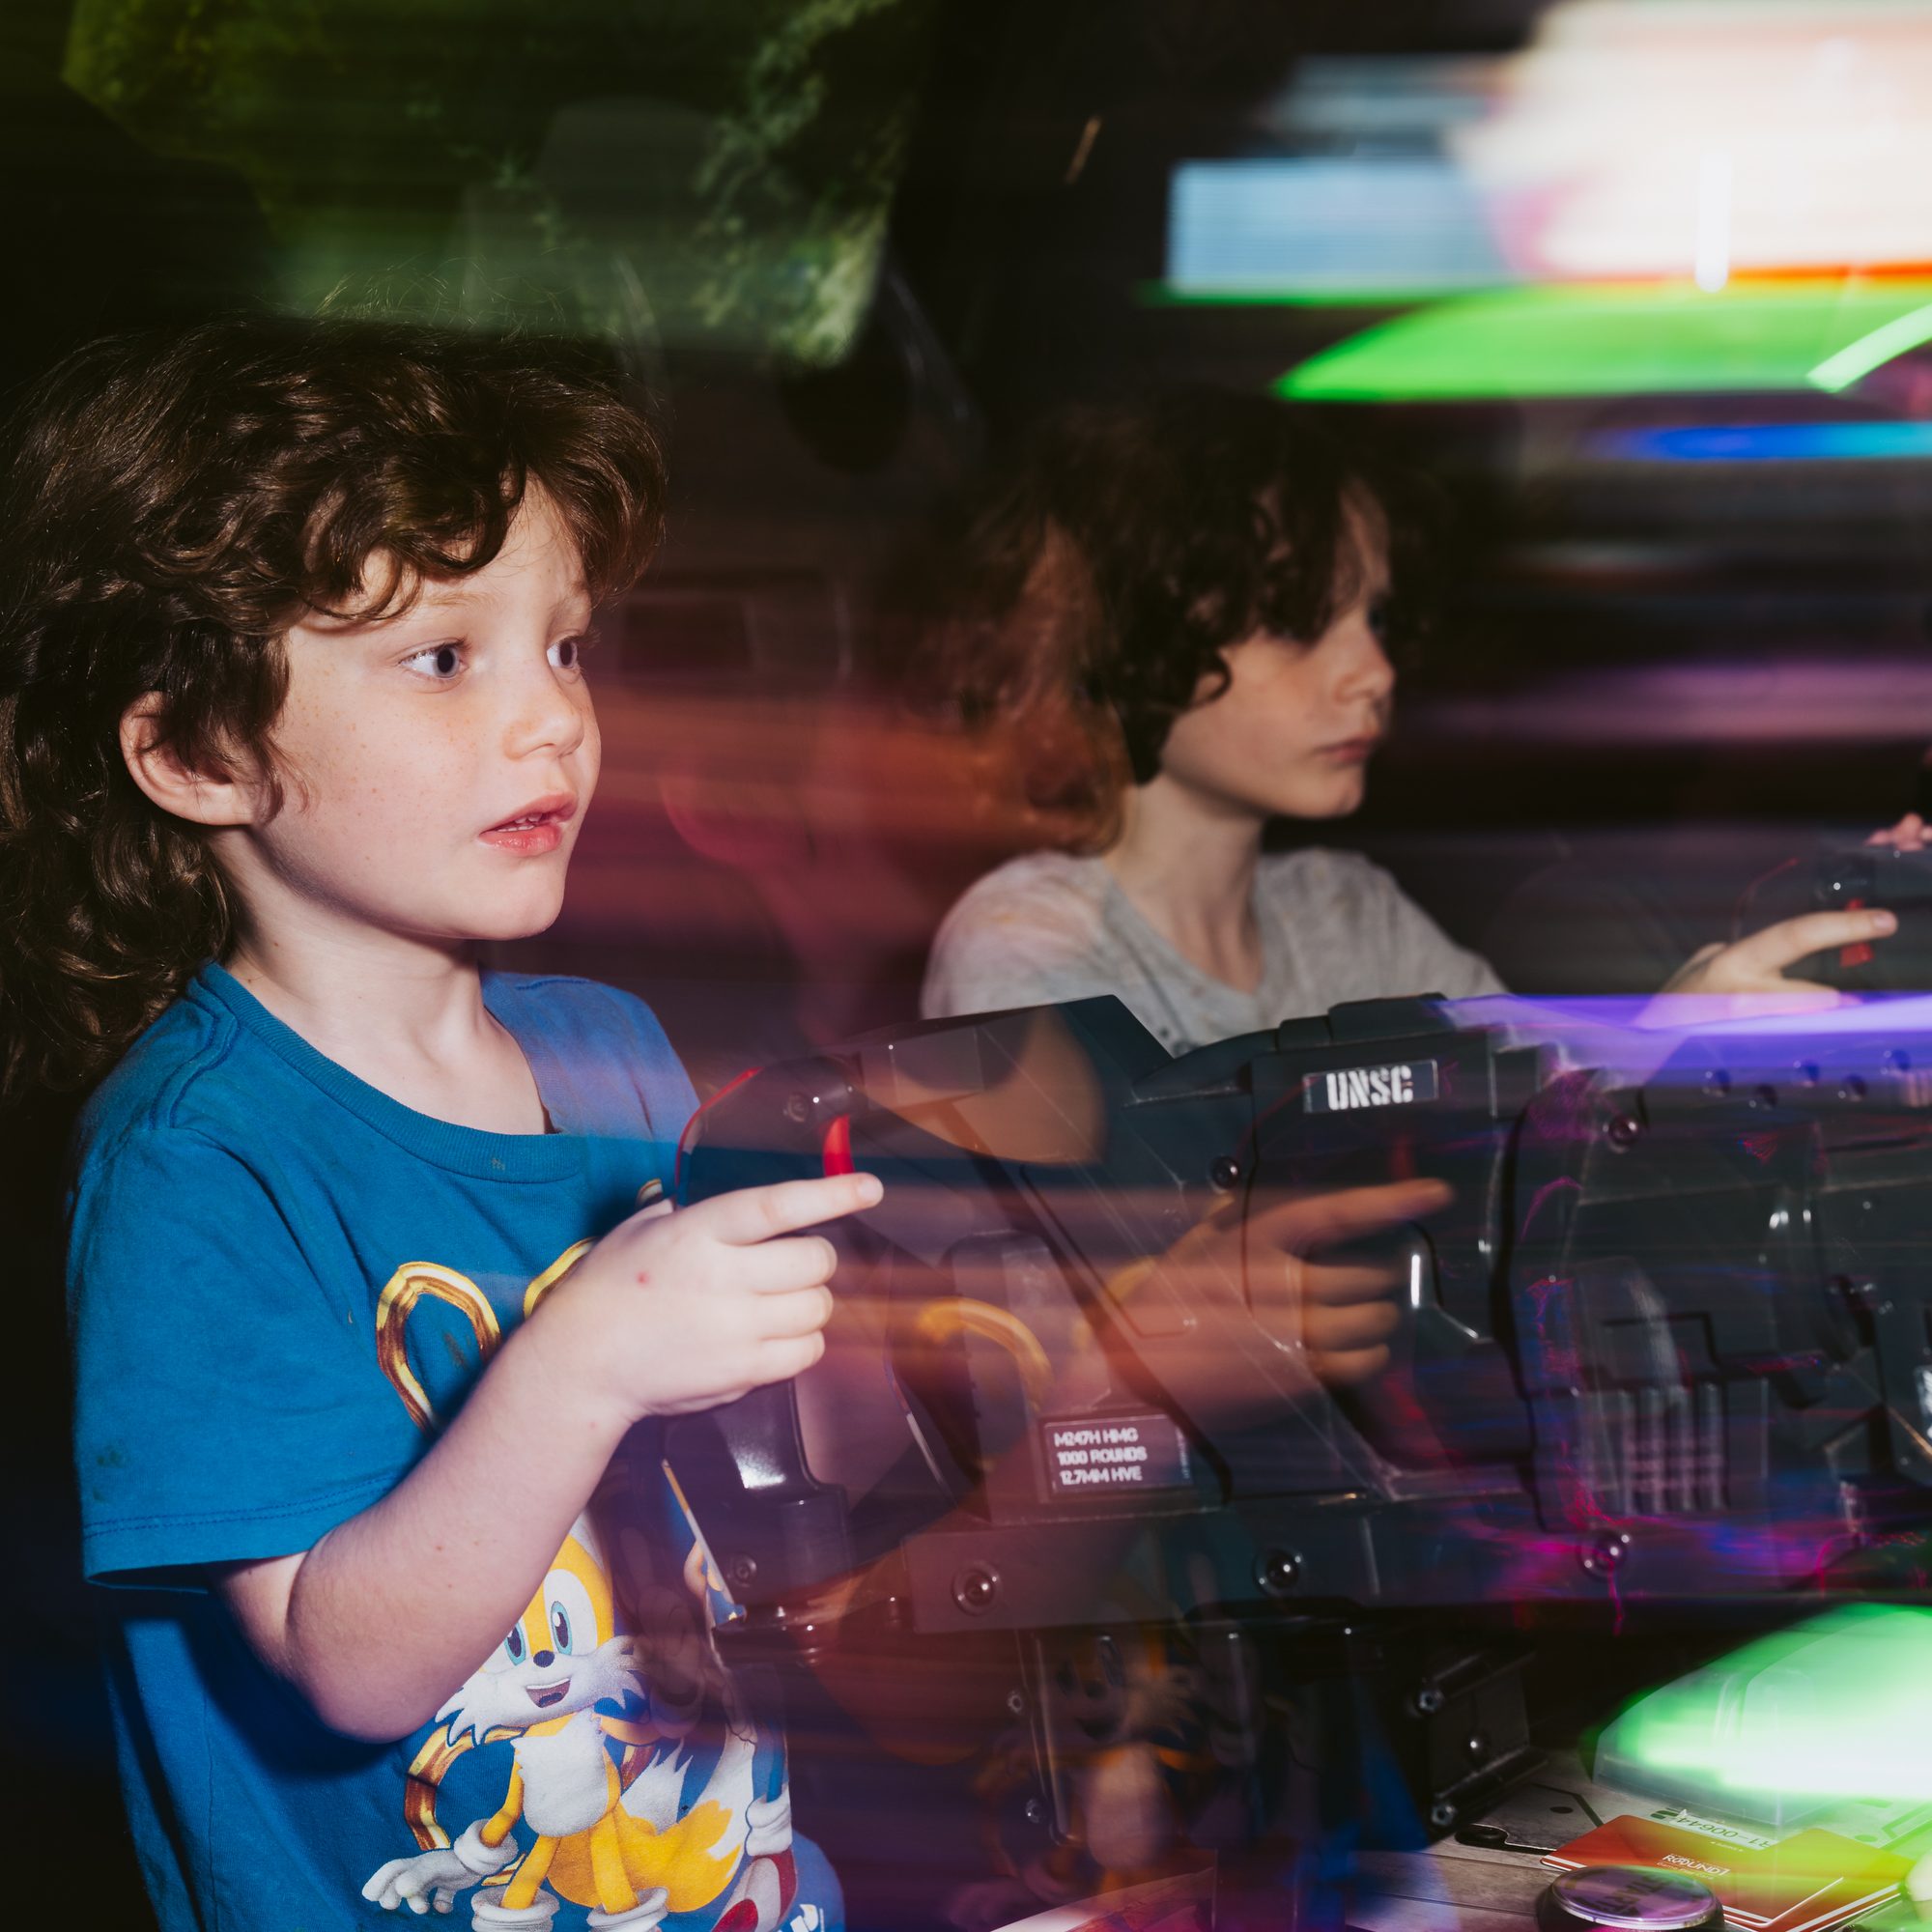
{"points": [[171, 505], [1094, 582]]}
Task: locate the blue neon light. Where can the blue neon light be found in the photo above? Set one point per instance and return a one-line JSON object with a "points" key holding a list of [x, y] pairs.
{"points": [[1768, 442]]}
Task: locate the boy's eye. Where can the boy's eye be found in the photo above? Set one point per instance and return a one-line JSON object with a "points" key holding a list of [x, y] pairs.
{"points": [[567, 653], [438, 663]]}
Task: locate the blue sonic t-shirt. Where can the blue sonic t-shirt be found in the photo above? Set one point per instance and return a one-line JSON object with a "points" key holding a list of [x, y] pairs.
{"points": [[281, 1284]]}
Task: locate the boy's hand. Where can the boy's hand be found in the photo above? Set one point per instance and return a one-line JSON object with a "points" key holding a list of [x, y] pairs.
{"points": [[1911, 834], [1750, 971], [1339, 1313], [1344, 1312], [676, 1311]]}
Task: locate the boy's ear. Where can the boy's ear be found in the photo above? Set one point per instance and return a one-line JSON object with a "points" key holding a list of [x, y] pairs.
{"points": [[217, 795]]}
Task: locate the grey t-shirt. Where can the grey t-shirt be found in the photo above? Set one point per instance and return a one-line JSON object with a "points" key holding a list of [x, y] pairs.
{"points": [[1049, 927]]}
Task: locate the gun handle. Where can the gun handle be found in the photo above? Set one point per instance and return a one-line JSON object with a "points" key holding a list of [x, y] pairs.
{"points": [[773, 1529]]}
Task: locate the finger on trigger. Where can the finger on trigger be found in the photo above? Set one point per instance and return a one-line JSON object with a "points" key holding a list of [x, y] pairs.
{"points": [[1323, 1220], [1791, 940], [754, 1215]]}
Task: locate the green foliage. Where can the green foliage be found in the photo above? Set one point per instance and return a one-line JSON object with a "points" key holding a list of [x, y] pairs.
{"points": [[761, 142]]}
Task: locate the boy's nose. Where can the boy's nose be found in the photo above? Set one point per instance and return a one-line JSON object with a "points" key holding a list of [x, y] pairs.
{"points": [[545, 719], [1366, 670]]}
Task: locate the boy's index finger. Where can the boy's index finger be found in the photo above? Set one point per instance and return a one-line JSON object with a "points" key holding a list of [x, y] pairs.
{"points": [[749, 1215], [1320, 1220], [1774, 948]]}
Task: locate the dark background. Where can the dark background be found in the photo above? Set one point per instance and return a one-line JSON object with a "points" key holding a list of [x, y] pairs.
{"points": [[772, 848]]}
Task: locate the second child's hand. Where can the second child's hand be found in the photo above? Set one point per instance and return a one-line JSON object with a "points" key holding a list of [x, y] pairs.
{"points": [[1751, 973], [1280, 1265], [1911, 834], [1289, 1269]]}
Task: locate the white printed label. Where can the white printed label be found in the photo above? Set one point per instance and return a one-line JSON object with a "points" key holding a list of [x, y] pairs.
{"points": [[1349, 1088], [1115, 1452]]}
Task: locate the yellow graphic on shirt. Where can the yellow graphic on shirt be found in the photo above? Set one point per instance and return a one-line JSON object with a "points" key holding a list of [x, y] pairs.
{"points": [[415, 1279], [612, 1827]]}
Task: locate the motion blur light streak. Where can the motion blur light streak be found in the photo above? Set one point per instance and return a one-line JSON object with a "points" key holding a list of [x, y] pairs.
{"points": [[1820, 700], [1712, 137], [1622, 339], [1359, 202], [1716, 195], [1890, 340], [1375, 226], [1839, 1706], [1767, 442], [1713, 222], [1699, 141]]}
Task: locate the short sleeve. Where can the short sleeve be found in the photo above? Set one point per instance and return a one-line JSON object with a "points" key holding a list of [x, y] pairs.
{"points": [[226, 1406], [602, 1060], [662, 1086], [1015, 946], [1420, 957]]}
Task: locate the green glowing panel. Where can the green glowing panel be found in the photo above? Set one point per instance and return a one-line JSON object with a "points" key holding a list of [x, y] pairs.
{"points": [[1624, 340], [1836, 1708]]}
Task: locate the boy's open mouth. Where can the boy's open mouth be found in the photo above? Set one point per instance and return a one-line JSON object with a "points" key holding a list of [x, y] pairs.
{"points": [[537, 826], [544, 1695], [554, 809]]}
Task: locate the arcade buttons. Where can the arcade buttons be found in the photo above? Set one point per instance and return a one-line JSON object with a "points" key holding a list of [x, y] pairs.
{"points": [[1628, 1898]]}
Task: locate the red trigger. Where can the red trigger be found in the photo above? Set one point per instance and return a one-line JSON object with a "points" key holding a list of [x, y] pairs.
{"points": [[1858, 953]]}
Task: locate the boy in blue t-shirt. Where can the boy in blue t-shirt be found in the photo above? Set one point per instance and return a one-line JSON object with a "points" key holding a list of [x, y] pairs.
{"points": [[372, 1283]]}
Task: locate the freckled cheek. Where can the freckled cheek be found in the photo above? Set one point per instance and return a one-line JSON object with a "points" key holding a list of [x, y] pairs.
{"points": [[372, 778]]}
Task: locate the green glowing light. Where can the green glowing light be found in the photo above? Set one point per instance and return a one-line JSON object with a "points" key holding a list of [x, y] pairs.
{"points": [[1838, 1707], [1624, 339], [1859, 358]]}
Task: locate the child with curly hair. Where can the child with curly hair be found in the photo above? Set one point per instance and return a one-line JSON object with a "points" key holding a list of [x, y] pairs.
{"points": [[1181, 613], [375, 1298]]}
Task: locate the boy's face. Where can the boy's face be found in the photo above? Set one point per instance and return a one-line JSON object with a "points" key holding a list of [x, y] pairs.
{"points": [[1292, 733], [438, 763]]}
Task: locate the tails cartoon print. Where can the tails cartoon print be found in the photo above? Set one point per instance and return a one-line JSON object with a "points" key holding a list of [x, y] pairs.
{"points": [[599, 1763], [612, 1827]]}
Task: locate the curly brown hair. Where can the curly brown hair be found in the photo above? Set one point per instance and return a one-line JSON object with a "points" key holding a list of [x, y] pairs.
{"points": [[1092, 584], [170, 505]]}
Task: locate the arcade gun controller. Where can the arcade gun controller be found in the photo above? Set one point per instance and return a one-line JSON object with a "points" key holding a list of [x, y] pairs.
{"points": [[1850, 880], [1672, 1340]]}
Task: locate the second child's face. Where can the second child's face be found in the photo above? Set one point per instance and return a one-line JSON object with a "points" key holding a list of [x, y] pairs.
{"points": [[1292, 733], [437, 764]]}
